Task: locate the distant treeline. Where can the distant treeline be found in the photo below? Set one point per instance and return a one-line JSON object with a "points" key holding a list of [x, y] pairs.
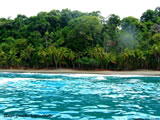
{"points": [[73, 39]]}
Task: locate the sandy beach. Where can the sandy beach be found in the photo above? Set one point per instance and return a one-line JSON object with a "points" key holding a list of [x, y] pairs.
{"points": [[104, 72]]}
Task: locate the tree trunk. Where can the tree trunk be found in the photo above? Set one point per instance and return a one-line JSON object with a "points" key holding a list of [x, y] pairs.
{"points": [[73, 65], [60, 65], [55, 61]]}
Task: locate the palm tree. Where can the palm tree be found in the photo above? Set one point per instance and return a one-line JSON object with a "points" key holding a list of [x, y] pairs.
{"points": [[3, 58], [127, 58], [98, 54], [42, 55], [140, 58], [26, 54], [155, 50], [111, 59], [72, 56], [13, 59], [62, 53], [52, 51]]}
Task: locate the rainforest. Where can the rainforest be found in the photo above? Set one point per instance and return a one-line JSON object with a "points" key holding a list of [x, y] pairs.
{"points": [[79, 40]]}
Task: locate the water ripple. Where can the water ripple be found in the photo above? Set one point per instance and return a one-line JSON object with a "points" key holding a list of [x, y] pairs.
{"points": [[77, 96]]}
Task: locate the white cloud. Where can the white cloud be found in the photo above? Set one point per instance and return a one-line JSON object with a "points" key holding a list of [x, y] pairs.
{"points": [[123, 8]]}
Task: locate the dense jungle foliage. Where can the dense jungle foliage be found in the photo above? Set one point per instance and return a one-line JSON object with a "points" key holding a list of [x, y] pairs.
{"points": [[73, 39]]}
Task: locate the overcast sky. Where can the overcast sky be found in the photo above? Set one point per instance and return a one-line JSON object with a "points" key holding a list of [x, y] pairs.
{"points": [[123, 8]]}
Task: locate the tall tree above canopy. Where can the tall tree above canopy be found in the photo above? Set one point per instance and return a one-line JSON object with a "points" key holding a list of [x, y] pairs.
{"points": [[39, 23], [129, 34], [67, 15], [157, 11], [110, 32], [83, 32], [53, 17], [95, 13], [130, 24], [148, 15], [113, 20]]}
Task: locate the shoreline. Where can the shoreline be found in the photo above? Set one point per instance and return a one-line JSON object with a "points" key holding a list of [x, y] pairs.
{"points": [[72, 71]]}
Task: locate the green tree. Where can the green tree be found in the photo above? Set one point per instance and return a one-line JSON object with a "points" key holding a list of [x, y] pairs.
{"points": [[127, 59], [26, 56], [71, 57], [52, 51], [111, 32], [149, 15], [61, 55], [83, 32]]}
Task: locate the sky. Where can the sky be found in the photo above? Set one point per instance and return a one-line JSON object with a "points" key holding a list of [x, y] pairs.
{"points": [[123, 8]]}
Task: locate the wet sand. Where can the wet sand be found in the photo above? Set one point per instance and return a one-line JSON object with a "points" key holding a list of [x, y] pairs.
{"points": [[104, 72]]}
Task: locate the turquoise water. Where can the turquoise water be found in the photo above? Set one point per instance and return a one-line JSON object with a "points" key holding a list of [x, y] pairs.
{"points": [[78, 97]]}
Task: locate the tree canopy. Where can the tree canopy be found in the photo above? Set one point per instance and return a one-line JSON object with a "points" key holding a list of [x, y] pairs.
{"points": [[74, 39]]}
